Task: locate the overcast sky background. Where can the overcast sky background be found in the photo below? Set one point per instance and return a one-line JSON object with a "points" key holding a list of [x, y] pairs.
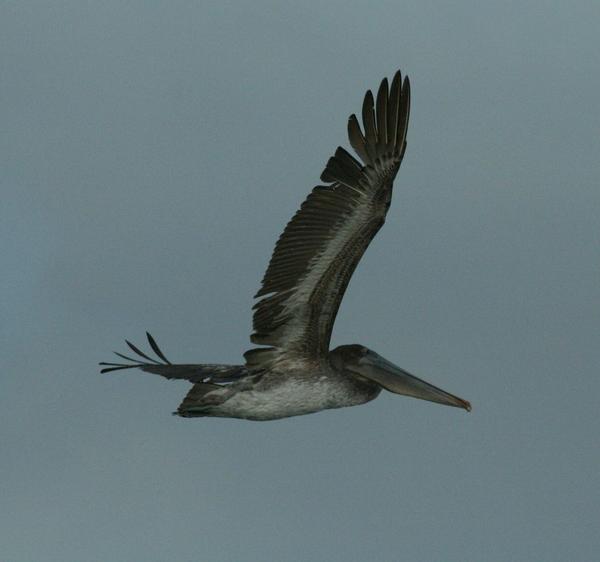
{"points": [[152, 153]]}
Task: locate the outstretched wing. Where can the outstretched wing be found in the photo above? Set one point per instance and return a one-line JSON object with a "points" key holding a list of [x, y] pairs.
{"points": [[320, 247], [205, 373]]}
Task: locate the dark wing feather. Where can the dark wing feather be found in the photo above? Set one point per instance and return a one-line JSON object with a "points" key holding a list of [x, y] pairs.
{"points": [[205, 373], [320, 247]]}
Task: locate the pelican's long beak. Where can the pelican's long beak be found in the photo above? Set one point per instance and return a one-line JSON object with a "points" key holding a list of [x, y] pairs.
{"points": [[391, 377]]}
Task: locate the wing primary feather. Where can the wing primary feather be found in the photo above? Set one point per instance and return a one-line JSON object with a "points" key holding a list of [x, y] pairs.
{"points": [[342, 168], [382, 104], [136, 361], [393, 110], [108, 370], [403, 114], [344, 156], [156, 349], [357, 139], [368, 115], [140, 353]]}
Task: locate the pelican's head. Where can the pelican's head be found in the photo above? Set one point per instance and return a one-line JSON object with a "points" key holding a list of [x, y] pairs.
{"points": [[362, 362]]}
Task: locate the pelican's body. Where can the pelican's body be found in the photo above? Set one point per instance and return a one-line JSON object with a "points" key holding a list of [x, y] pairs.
{"points": [[295, 373], [276, 395]]}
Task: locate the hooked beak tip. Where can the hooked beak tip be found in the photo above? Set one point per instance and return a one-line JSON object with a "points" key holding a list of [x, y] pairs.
{"points": [[466, 405]]}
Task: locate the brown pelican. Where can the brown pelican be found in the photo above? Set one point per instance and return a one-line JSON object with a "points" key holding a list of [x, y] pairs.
{"points": [[294, 372]]}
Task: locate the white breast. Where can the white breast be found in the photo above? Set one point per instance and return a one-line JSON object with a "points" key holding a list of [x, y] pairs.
{"points": [[293, 397]]}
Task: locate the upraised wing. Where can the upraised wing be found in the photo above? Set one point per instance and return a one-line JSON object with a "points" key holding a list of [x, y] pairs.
{"points": [[320, 247]]}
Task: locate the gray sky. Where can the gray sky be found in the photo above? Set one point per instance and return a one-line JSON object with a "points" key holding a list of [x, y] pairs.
{"points": [[152, 153]]}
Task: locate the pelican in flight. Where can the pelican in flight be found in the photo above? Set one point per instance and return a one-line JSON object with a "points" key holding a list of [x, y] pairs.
{"points": [[294, 372]]}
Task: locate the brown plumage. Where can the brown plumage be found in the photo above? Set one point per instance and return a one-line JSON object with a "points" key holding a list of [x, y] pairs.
{"points": [[320, 247], [294, 372]]}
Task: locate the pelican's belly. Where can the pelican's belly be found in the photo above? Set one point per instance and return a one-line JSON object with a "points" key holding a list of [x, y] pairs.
{"points": [[291, 397]]}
